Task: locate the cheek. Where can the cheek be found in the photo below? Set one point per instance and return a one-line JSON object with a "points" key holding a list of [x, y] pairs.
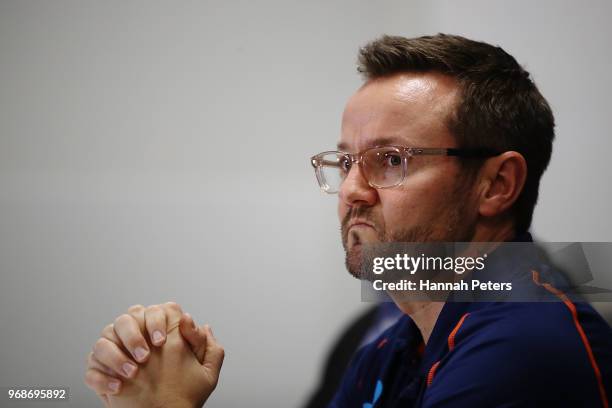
{"points": [[399, 209], [416, 203]]}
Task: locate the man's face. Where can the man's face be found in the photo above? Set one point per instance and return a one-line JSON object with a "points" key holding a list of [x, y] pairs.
{"points": [[433, 202]]}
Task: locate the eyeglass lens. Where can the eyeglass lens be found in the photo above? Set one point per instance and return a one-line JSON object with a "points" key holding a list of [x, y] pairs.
{"points": [[382, 167]]}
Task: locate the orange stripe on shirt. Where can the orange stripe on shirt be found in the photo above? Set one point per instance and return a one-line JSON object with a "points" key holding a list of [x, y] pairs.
{"points": [[451, 346], [451, 337], [585, 340], [432, 372]]}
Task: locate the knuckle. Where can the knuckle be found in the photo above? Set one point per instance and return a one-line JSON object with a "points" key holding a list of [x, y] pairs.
{"points": [[89, 359], [107, 330], [92, 378], [99, 346], [153, 310], [173, 306], [123, 319], [87, 379], [135, 308]]}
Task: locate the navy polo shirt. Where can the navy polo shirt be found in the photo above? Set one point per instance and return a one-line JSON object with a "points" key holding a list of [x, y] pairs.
{"points": [[490, 354]]}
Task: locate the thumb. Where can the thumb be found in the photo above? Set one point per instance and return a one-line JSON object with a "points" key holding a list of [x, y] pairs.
{"points": [[213, 359], [194, 335]]}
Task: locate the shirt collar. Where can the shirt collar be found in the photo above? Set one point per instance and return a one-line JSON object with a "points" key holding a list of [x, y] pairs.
{"points": [[452, 312]]}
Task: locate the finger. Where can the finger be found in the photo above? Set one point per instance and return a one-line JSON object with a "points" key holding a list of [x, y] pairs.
{"points": [[195, 336], [108, 354], [128, 330], [92, 362], [155, 322], [213, 359], [102, 383], [138, 313], [173, 314], [108, 332]]}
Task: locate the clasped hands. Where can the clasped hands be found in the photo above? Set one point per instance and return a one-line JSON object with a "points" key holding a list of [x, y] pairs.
{"points": [[154, 356]]}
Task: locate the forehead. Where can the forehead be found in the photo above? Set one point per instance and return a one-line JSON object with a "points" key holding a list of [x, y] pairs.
{"points": [[408, 109]]}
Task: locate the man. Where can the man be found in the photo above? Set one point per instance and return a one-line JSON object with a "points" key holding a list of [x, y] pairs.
{"points": [[446, 141]]}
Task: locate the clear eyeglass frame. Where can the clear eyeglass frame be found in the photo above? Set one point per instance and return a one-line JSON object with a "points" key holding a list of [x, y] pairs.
{"points": [[327, 163]]}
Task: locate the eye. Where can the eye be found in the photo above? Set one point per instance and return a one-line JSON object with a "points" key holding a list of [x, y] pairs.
{"points": [[393, 159], [345, 164]]}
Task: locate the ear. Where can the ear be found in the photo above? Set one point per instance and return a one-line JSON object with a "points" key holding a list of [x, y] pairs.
{"points": [[503, 178]]}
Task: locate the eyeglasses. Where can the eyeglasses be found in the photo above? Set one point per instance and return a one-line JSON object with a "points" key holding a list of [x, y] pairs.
{"points": [[382, 166]]}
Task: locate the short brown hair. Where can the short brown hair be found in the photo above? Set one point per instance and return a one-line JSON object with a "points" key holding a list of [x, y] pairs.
{"points": [[499, 108]]}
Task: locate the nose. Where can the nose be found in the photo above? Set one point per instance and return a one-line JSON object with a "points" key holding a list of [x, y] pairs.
{"points": [[355, 190]]}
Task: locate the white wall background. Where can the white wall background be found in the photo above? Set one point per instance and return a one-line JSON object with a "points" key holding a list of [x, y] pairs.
{"points": [[152, 151]]}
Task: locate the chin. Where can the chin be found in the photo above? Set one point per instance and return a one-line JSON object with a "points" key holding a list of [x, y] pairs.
{"points": [[354, 261]]}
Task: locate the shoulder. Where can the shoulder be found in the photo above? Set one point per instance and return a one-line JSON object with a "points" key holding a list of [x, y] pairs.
{"points": [[543, 327], [517, 352]]}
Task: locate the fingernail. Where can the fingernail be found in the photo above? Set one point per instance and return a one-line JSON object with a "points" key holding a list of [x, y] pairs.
{"points": [[158, 337], [140, 353], [114, 386], [129, 369], [190, 318]]}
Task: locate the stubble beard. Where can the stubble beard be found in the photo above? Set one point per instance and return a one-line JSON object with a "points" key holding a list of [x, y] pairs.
{"points": [[458, 228]]}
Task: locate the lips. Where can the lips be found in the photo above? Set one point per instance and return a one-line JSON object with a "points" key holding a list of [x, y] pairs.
{"points": [[359, 223]]}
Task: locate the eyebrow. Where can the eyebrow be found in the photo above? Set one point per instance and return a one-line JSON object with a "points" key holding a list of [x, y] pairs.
{"points": [[379, 141]]}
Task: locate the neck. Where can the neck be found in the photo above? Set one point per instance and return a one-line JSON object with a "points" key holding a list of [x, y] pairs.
{"points": [[494, 232], [425, 313]]}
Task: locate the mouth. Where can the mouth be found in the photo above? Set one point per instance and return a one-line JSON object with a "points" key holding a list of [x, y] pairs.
{"points": [[359, 224]]}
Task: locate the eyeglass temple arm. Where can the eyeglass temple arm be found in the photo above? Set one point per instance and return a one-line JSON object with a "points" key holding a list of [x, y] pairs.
{"points": [[475, 153], [320, 162]]}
